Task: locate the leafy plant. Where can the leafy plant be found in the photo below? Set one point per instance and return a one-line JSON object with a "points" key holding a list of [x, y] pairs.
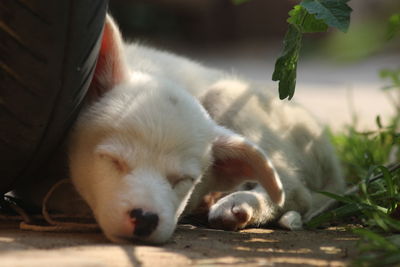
{"points": [[374, 205], [359, 151], [375, 202], [309, 16], [394, 26], [377, 250]]}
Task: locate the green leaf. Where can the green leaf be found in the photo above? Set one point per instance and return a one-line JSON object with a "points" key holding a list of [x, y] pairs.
{"points": [[378, 122], [306, 18], [395, 239], [394, 26], [388, 179], [393, 75], [376, 239], [335, 13], [338, 213], [340, 198], [286, 65], [306, 23], [390, 259]]}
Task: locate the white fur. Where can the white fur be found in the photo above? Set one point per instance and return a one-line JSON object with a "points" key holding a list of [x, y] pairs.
{"points": [[154, 140], [291, 220]]}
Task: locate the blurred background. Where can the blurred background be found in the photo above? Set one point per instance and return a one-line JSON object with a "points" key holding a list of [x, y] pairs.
{"points": [[338, 74]]}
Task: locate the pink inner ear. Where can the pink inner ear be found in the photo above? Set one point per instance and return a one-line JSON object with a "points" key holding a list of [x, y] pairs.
{"points": [[237, 161], [233, 168], [96, 87], [110, 69]]}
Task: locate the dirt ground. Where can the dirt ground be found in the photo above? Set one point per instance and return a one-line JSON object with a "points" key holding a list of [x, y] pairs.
{"points": [[188, 246]]}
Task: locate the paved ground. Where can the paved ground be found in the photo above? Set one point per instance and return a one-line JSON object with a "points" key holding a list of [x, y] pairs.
{"points": [[325, 90], [189, 246]]}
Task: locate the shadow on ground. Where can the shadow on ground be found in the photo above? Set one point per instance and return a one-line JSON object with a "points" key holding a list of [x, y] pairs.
{"points": [[189, 246]]}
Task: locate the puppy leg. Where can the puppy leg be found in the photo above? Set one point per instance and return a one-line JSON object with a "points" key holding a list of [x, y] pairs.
{"points": [[291, 220], [254, 207], [243, 208]]}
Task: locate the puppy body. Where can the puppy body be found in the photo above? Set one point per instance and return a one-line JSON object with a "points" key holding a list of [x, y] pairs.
{"points": [[166, 131]]}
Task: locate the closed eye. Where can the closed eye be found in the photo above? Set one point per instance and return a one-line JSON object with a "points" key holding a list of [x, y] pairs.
{"points": [[176, 180]]}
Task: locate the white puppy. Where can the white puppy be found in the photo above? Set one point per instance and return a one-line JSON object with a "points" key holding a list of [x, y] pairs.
{"points": [[165, 131]]}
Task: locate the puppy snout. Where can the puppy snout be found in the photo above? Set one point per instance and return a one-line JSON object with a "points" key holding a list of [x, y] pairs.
{"points": [[145, 222]]}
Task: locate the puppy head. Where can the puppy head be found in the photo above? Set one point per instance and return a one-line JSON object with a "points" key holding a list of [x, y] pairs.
{"points": [[137, 153], [138, 173]]}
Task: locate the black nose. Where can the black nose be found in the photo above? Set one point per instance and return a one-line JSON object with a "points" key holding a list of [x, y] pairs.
{"points": [[145, 222]]}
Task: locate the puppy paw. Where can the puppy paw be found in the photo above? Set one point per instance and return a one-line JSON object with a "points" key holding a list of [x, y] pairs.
{"points": [[231, 213], [291, 220]]}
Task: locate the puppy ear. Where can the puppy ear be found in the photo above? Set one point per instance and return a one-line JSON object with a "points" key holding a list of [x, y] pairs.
{"points": [[111, 68], [113, 156], [237, 160]]}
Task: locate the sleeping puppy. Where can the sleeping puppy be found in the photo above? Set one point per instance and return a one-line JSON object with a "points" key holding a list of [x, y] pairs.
{"points": [[163, 132]]}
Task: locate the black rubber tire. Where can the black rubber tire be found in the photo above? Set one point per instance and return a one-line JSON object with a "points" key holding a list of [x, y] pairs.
{"points": [[48, 51]]}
